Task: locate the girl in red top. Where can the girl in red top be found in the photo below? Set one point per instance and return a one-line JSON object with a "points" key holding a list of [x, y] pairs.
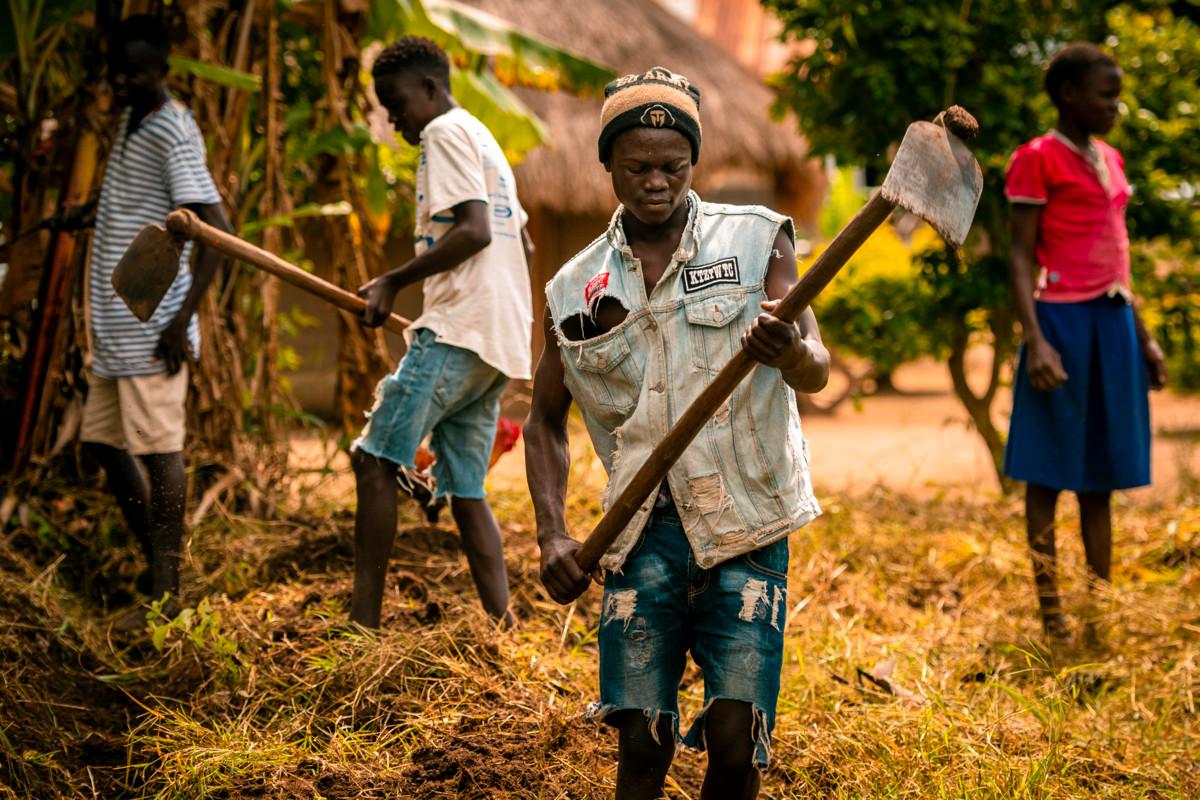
{"points": [[1081, 419]]}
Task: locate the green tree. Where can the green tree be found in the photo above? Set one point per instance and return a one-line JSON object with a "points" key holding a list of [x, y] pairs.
{"points": [[872, 67], [873, 308], [1158, 134]]}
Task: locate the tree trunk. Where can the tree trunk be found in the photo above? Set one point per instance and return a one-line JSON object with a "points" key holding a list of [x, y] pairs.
{"points": [[979, 407]]}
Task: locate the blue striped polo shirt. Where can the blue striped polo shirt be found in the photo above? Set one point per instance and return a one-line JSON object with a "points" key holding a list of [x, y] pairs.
{"points": [[151, 172]]}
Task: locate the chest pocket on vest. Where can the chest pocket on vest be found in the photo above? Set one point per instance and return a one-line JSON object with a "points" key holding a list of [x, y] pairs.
{"points": [[715, 329], [607, 373]]}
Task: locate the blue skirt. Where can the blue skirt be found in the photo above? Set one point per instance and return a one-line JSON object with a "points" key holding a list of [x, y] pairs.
{"points": [[1092, 434]]}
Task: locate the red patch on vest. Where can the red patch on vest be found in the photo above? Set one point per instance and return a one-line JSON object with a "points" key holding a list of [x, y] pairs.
{"points": [[595, 287]]}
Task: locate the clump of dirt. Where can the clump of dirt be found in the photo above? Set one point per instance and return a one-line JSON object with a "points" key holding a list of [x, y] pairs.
{"points": [[322, 552], [54, 713], [315, 778], [427, 540], [478, 761]]}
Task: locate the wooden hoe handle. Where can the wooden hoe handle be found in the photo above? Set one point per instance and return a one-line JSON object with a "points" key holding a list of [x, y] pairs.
{"points": [[651, 473], [185, 223]]}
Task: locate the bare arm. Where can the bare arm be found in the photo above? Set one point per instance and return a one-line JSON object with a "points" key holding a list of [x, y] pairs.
{"points": [[547, 462], [795, 349], [470, 233], [208, 259], [1042, 360], [1023, 224], [172, 345], [1156, 362]]}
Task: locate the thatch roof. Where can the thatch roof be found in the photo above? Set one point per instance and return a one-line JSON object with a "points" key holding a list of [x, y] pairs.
{"points": [[633, 36]]}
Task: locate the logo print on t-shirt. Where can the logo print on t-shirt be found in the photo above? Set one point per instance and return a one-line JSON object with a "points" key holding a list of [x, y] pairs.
{"points": [[701, 276]]}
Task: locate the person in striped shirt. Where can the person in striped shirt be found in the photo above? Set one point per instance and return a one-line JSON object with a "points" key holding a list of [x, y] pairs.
{"points": [[133, 418]]}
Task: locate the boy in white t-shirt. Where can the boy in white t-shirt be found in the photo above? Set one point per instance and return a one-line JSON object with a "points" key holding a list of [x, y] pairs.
{"points": [[472, 337]]}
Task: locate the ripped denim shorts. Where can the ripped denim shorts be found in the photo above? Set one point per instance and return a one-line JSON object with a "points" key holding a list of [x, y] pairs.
{"points": [[444, 390], [661, 606]]}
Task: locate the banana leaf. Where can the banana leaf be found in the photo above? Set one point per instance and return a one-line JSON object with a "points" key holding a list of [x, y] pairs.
{"points": [[339, 209], [517, 129], [335, 141], [213, 73]]}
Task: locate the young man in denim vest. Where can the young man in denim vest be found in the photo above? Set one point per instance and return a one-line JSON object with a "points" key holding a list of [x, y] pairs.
{"points": [[637, 324]]}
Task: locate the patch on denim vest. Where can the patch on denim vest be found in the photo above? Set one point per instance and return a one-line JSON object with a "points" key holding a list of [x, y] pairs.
{"points": [[701, 276], [596, 288]]}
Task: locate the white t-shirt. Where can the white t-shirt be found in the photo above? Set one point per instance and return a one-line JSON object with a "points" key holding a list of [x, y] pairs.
{"points": [[484, 304]]}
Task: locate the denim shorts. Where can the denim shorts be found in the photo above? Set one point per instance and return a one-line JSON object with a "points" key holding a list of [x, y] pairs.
{"points": [[661, 606], [449, 392]]}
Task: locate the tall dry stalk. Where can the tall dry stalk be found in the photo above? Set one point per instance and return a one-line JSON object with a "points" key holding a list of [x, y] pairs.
{"points": [[363, 356], [264, 385], [45, 390]]}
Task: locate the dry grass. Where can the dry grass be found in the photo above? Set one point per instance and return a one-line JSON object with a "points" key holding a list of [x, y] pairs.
{"points": [[912, 667]]}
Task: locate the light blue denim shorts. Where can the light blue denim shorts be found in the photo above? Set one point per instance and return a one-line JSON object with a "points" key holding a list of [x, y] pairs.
{"points": [[444, 390], [662, 605]]}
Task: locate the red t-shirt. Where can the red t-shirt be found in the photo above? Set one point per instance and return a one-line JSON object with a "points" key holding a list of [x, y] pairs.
{"points": [[1082, 243]]}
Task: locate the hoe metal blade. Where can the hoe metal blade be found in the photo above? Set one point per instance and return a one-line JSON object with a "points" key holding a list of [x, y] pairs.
{"points": [[147, 270], [935, 177]]}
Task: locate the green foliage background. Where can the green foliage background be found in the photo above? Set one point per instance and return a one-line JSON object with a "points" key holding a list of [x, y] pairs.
{"points": [[875, 66]]}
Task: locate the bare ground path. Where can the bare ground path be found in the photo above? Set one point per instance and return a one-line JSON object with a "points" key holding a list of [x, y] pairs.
{"points": [[917, 440], [920, 441]]}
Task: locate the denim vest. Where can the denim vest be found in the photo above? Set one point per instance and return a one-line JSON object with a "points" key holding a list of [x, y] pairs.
{"points": [[743, 482]]}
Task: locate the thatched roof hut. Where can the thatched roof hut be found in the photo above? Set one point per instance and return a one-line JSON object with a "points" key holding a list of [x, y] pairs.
{"points": [[744, 150]]}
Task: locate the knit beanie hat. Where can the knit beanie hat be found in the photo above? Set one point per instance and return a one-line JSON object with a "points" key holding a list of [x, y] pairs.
{"points": [[657, 99]]}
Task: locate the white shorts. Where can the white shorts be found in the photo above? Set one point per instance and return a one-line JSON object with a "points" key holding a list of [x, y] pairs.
{"points": [[143, 415]]}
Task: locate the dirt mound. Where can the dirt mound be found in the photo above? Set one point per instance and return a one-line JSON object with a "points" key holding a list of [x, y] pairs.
{"points": [[330, 548], [479, 760], [54, 713], [314, 778]]}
